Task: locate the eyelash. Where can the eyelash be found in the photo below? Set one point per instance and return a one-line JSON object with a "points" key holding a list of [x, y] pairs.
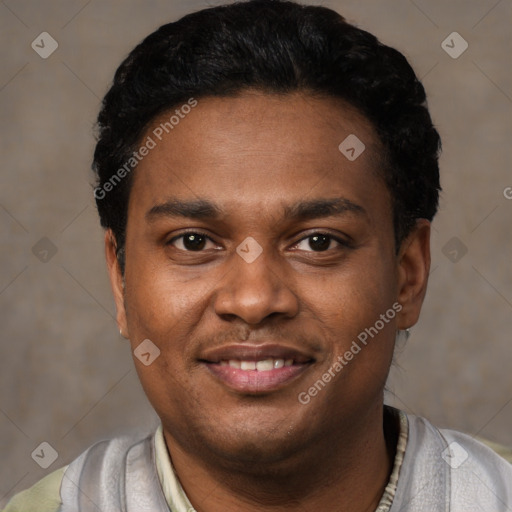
{"points": [[341, 242], [185, 233]]}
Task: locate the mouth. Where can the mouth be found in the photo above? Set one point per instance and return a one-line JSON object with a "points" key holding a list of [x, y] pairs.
{"points": [[256, 369], [263, 365]]}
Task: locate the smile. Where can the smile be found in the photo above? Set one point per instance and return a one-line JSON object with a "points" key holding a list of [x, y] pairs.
{"points": [[249, 379], [256, 369], [263, 365]]}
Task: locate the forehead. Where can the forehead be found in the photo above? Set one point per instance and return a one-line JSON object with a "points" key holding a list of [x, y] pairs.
{"points": [[259, 149]]}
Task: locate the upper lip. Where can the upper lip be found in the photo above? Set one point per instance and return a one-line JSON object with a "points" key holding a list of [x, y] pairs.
{"points": [[251, 352]]}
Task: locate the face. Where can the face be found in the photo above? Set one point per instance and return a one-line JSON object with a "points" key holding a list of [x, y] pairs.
{"points": [[257, 254]]}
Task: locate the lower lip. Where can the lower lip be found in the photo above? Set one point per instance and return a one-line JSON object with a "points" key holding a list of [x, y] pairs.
{"points": [[254, 381]]}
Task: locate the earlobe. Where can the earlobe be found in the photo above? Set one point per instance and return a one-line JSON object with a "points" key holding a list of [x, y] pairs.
{"points": [[413, 271], [116, 281]]}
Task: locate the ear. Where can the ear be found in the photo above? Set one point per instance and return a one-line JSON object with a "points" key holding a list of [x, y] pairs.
{"points": [[116, 281], [413, 271]]}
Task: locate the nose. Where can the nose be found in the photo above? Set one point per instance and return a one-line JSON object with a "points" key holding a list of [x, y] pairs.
{"points": [[255, 291]]}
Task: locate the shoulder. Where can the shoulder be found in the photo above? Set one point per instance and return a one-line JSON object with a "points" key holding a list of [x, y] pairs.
{"points": [[44, 496], [459, 448], [104, 459], [467, 471], [503, 451], [479, 456]]}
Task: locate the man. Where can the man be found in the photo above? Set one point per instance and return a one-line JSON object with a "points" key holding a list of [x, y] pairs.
{"points": [[267, 174]]}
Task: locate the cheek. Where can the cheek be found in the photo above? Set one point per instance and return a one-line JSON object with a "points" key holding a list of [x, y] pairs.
{"points": [[356, 294], [159, 302], [348, 311], [348, 308], [167, 314], [167, 309]]}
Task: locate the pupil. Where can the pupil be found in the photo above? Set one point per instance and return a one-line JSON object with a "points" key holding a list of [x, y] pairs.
{"points": [[319, 242], [194, 242]]}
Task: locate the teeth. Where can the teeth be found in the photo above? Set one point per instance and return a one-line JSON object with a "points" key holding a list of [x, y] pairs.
{"points": [[266, 365], [262, 366]]}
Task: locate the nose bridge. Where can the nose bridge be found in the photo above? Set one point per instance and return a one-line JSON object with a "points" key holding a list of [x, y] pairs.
{"points": [[255, 286]]}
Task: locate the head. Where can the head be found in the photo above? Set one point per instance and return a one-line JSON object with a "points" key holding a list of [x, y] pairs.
{"points": [[267, 174]]}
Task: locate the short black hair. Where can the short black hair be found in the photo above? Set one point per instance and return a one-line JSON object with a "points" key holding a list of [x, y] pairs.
{"points": [[277, 47]]}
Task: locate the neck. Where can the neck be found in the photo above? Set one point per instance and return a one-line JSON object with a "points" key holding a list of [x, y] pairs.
{"points": [[350, 468]]}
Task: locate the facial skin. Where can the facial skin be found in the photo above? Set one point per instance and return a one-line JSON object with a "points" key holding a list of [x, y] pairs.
{"points": [[255, 157]]}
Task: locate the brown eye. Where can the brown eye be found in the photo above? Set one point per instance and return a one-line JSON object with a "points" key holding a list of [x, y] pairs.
{"points": [[191, 241], [318, 242], [194, 242]]}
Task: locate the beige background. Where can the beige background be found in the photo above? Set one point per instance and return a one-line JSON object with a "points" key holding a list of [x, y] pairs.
{"points": [[67, 378]]}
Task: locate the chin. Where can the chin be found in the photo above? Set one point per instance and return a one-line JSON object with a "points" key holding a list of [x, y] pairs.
{"points": [[256, 455], [254, 442]]}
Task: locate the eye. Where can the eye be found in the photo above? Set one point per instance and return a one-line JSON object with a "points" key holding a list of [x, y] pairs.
{"points": [[191, 241], [319, 242]]}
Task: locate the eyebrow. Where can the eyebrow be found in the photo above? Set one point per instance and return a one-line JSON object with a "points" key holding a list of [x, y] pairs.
{"points": [[194, 209], [302, 210], [318, 208]]}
